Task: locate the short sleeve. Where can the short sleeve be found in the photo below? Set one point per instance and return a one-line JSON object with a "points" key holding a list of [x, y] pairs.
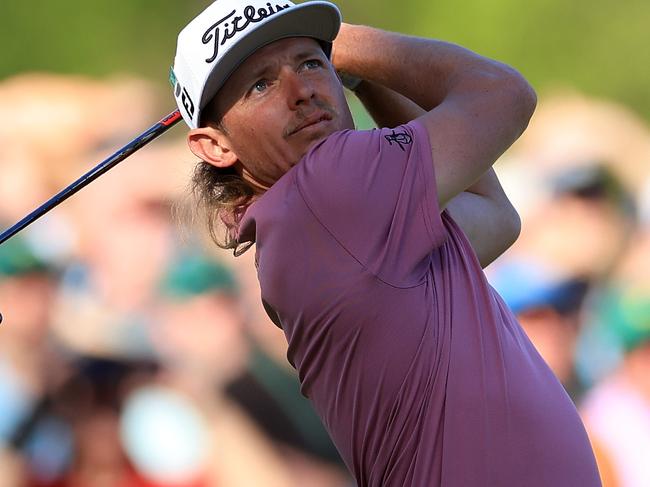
{"points": [[375, 193]]}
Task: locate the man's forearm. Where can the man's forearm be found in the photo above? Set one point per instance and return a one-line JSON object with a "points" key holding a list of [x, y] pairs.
{"points": [[424, 70], [483, 211], [487, 217]]}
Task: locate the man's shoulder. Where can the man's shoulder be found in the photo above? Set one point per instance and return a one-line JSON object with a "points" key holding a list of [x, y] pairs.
{"points": [[400, 137], [341, 158]]}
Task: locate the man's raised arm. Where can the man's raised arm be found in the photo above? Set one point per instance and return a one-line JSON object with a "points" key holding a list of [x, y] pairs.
{"points": [[483, 210], [475, 107]]}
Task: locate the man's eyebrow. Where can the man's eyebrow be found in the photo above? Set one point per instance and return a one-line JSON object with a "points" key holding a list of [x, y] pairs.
{"points": [[307, 53], [258, 73]]}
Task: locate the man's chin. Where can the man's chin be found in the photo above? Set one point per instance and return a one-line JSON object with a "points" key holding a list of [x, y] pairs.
{"points": [[314, 137], [310, 138]]}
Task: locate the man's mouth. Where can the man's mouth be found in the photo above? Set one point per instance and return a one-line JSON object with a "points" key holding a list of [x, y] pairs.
{"points": [[310, 121]]}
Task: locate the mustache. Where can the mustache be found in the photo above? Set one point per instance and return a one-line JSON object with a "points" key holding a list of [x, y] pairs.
{"points": [[317, 108]]}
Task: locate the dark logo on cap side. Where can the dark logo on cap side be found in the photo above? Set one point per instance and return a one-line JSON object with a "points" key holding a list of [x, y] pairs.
{"points": [[187, 102], [232, 24]]}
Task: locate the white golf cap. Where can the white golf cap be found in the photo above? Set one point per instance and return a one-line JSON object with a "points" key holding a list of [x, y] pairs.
{"points": [[215, 43]]}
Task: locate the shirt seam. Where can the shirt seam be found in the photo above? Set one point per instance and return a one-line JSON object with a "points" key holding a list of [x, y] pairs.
{"points": [[336, 239]]}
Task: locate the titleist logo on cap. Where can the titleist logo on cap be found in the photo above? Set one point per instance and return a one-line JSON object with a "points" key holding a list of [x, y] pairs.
{"points": [[233, 24]]}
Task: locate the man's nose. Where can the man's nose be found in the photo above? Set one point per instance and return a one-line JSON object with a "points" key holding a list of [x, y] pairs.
{"points": [[298, 89]]}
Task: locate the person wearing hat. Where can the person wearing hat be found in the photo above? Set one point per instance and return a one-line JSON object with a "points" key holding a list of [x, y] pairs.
{"points": [[31, 363], [370, 244], [201, 293]]}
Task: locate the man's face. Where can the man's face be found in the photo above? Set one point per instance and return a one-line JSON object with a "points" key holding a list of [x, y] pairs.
{"points": [[278, 104]]}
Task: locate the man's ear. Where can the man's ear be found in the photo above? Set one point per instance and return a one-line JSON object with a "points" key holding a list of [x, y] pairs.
{"points": [[211, 145]]}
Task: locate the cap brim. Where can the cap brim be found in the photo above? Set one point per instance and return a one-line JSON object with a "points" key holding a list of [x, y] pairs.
{"points": [[318, 20]]}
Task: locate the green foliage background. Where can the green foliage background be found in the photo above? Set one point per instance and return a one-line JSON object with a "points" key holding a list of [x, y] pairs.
{"points": [[600, 47]]}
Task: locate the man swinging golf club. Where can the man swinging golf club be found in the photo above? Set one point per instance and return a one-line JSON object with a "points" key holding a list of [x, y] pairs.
{"points": [[370, 244]]}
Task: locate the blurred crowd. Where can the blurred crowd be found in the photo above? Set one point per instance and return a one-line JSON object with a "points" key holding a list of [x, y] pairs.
{"points": [[134, 354]]}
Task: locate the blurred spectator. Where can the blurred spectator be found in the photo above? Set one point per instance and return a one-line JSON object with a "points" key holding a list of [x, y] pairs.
{"points": [[199, 336], [124, 239], [571, 129], [87, 444], [199, 331], [30, 364], [568, 247], [54, 123], [617, 410], [566, 267], [585, 224]]}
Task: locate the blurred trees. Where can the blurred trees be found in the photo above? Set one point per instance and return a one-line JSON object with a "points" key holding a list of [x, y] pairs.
{"points": [[96, 37], [600, 47]]}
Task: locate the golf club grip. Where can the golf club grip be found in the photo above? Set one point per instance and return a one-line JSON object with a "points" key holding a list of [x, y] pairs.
{"points": [[143, 139]]}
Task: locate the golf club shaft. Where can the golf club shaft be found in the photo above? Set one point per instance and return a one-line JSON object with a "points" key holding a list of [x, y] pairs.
{"points": [[143, 139]]}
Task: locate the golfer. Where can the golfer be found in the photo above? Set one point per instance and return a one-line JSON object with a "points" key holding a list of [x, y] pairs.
{"points": [[370, 244]]}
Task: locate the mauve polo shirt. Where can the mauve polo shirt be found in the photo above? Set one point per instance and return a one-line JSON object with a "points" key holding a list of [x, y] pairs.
{"points": [[417, 368]]}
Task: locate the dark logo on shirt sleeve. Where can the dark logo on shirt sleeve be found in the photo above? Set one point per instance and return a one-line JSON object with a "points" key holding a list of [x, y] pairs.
{"points": [[399, 138], [233, 24]]}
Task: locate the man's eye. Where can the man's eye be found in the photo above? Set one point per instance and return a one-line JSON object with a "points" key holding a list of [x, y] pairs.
{"points": [[260, 85], [312, 64]]}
